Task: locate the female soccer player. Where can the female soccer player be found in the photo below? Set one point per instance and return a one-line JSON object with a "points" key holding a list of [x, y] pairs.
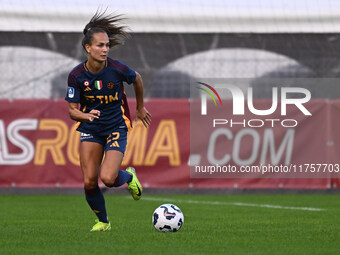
{"points": [[96, 85]]}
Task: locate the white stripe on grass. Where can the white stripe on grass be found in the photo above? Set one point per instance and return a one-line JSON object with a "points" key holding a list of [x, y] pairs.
{"points": [[233, 204]]}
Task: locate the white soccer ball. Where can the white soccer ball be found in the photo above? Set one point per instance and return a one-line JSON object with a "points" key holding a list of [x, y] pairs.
{"points": [[168, 218]]}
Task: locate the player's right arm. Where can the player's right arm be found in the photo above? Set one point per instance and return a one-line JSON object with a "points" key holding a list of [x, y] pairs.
{"points": [[73, 97], [77, 115]]}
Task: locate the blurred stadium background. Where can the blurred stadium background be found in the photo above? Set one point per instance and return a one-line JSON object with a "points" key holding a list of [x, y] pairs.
{"points": [[172, 42]]}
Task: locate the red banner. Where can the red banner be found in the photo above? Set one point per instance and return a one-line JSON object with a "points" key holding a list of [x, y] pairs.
{"points": [[39, 147], [241, 151]]}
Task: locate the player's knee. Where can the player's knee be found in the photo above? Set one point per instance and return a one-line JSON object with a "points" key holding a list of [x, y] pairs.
{"points": [[108, 179], [90, 183]]}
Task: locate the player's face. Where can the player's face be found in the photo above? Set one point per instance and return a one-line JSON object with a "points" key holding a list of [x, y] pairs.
{"points": [[99, 48]]}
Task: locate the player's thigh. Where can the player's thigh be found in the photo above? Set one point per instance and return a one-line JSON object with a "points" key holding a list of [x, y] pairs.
{"points": [[91, 155], [111, 165], [114, 152]]}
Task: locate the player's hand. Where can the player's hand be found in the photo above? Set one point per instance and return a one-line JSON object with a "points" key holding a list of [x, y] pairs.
{"points": [[93, 114], [144, 116]]}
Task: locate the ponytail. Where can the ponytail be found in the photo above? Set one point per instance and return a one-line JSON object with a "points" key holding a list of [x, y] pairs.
{"points": [[101, 23]]}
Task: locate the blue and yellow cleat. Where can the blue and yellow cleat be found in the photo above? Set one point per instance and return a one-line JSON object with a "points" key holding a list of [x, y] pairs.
{"points": [[134, 186], [101, 226]]}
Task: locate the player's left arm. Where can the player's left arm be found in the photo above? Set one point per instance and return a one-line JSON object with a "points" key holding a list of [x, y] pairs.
{"points": [[141, 112]]}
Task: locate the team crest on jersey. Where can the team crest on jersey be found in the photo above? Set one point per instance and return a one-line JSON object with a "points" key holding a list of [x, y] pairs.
{"points": [[98, 85], [110, 85], [86, 83]]}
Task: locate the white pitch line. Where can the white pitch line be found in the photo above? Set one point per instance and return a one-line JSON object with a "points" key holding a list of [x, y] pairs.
{"points": [[234, 203]]}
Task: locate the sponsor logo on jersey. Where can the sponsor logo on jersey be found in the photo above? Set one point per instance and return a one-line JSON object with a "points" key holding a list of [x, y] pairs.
{"points": [[87, 89], [70, 92], [86, 83], [110, 85], [98, 85]]}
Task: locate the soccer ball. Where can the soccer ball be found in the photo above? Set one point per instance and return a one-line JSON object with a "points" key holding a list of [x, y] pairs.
{"points": [[168, 218]]}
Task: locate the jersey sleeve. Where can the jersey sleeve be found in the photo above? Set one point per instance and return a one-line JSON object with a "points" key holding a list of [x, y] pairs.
{"points": [[73, 91], [128, 74]]}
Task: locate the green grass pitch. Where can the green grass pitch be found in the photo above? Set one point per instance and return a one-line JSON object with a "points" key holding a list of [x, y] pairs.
{"points": [[213, 224]]}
